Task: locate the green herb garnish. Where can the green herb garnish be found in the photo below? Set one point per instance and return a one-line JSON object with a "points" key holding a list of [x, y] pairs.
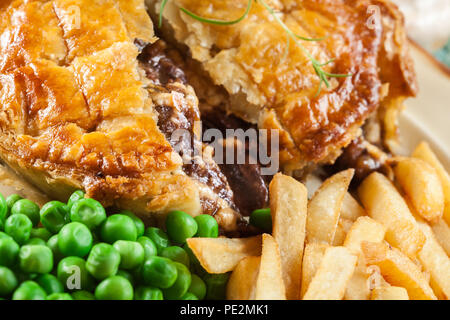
{"points": [[317, 65], [219, 22]]}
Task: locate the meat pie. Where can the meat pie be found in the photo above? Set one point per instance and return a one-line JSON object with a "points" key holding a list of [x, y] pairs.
{"points": [[271, 82], [88, 100]]}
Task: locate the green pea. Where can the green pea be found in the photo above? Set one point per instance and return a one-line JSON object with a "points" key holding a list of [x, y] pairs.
{"points": [[114, 288], [148, 293], [189, 296], [89, 212], [103, 261], [140, 226], [181, 284], [52, 243], [29, 290], [59, 296], [118, 227], [262, 219], [36, 259], [159, 272], [127, 275], [207, 226], [198, 287], [176, 254], [75, 239], [73, 274], [180, 226], [83, 295], [9, 251], [54, 216], [11, 200], [35, 242], [50, 283], [28, 208], [77, 195], [149, 246], [8, 281], [159, 238], [18, 226], [3, 210], [131, 254], [216, 285], [40, 233]]}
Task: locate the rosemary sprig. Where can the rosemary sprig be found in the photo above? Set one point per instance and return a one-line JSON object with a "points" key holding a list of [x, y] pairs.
{"points": [[219, 22], [317, 65], [322, 74], [161, 10]]}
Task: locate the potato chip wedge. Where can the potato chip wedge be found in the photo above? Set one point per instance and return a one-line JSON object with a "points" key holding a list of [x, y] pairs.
{"points": [[325, 207], [424, 152], [312, 258], [330, 280], [242, 282], [436, 262], [358, 286], [442, 232], [270, 283], [422, 187], [351, 209], [385, 205], [220, 255], [364, 229], [398, 270], [342, 229], [289, 203], [389, 293]]}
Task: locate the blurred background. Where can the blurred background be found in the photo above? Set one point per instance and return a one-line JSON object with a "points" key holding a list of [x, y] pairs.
{"points": [[428, 23]]}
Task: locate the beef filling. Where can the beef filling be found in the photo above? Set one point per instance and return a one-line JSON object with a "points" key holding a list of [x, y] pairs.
{"points": [[162, 71], [356, 156], [249, 186], [158, 67]]}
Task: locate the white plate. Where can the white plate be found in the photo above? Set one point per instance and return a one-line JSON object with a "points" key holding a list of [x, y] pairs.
{"points": [[427, 117]]}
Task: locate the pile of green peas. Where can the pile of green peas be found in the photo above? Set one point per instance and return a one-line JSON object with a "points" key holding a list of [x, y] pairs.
{"points": [[74, 251]]}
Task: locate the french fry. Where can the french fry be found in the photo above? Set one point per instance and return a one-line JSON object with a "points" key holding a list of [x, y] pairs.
{"points": [[351, 209], [375, 279], [241, 285], [342, 229], [311, 262], [270, 284], [288, 203], [325, 207], [424, 152], [331, 278], [220, 255], [422, 187], [385, 205], [442, 232], [364, 229], [389, 293], [436, 262], [398, 270]]}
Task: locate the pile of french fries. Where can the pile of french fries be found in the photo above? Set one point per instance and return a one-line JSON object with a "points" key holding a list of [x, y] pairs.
{"points": [[393, 243]]}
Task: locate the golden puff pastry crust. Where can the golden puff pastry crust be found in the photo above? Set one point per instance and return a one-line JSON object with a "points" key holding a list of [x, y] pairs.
{"points": [[276, 90], [78, 111]]}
